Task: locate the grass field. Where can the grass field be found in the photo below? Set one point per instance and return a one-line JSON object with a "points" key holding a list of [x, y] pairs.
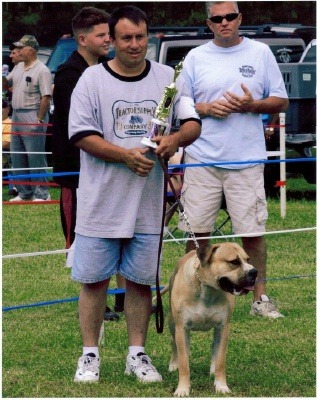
{"points": [[266, 358]]}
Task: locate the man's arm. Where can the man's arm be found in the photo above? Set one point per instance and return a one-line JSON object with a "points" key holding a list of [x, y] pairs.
{"points": [[241, 104], [44, 105], [246, 103]]}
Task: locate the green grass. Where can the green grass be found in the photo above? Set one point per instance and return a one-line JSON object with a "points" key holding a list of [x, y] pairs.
{"points": [[265, 358]]}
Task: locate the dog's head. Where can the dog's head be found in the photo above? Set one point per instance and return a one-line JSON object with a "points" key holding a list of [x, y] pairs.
{"points": [[225, 266]]}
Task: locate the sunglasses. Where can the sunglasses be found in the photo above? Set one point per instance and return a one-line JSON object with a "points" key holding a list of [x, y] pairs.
{"points": [[229, 17]]}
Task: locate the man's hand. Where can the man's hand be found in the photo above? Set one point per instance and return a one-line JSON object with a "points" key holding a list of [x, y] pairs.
{"points": [[238, 104], [166, 146], [217, 109], [137, 162]]}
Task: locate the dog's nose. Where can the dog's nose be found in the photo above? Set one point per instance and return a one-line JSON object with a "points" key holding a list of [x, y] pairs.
{"points": [[253, 273]]}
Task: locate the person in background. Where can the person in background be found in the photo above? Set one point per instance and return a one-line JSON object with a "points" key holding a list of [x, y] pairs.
{"points": [[15, 54], [31, 84], [5, 69], [6, 133], [91, 31], [120, 193], [15, 58], [233, 80]]}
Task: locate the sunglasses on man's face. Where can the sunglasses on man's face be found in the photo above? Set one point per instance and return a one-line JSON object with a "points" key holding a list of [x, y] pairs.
{"points": [[229, 17]]}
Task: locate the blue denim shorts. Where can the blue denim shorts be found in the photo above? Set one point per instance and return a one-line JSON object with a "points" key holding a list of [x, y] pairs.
{"points": [[97, 259]]}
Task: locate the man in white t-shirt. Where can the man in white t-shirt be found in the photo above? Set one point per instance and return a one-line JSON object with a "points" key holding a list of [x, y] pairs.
{"points": [[233, 80], [120, 193]]}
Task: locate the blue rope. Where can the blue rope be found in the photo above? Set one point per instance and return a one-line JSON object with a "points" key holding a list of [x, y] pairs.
{"points": [[48, 303], [212, 164], [117, 291]]}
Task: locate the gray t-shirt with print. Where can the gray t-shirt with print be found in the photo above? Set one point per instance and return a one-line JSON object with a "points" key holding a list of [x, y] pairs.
{"points": [[114, 202]]}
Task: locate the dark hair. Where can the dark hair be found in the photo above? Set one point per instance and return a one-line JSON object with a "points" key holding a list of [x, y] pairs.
{"points": [[133, 14], [87, 18]]}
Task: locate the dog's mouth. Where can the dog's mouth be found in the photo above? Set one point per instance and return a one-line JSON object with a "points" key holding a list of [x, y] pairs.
{"points": [[243, 287]]}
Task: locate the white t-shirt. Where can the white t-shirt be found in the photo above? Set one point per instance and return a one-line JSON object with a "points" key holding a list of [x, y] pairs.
{"points": [[114, 202], [209, 71]]}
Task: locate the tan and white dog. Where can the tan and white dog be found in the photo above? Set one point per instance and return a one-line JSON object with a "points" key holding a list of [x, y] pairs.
{"points": [[202, 290]]}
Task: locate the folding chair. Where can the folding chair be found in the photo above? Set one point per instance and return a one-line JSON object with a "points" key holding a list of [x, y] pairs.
{"points": [[222, 220], [176, 176]]}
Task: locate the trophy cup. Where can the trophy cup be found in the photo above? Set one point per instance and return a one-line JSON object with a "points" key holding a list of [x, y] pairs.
{"points": [[160, 126]]}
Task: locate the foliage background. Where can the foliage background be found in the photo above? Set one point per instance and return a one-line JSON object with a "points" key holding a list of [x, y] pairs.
{"points": [[40, 18]]}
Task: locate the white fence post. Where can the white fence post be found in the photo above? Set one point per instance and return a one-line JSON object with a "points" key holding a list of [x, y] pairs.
{"points": [[282, 166]]}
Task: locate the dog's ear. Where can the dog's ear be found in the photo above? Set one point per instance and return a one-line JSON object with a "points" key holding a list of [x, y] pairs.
{"points": [[205, 253]]}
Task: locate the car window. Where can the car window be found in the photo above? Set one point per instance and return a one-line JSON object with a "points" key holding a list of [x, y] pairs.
{"points": [[43, 56]]}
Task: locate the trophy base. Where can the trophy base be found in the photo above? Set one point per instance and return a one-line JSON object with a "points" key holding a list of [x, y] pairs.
{"points": [[148, 142]]}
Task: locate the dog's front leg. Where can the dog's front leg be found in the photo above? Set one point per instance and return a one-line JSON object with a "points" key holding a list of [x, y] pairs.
{"points": [[182, 344], [173, 365], [218, 360]]}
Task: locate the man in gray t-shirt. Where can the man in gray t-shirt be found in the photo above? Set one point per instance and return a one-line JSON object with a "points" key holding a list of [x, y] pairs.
{"points": [[31, 83], [120, 194]]}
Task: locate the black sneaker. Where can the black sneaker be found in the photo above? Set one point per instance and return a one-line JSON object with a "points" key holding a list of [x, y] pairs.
{"points": [[13, 192], [110, 315]]}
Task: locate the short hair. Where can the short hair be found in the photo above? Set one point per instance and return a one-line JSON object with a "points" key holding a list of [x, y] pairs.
{"points": [[87, 18], [132, 13], [209, 4]]}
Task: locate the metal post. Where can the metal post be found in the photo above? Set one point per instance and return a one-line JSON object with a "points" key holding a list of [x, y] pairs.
{"points": [[282, 166]]}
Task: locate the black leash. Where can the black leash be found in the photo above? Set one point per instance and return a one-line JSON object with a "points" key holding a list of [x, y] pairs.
{"points": [[159, 312]]}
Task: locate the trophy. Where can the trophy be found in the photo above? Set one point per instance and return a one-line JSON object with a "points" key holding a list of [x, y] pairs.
{"points": [[160, 126]]}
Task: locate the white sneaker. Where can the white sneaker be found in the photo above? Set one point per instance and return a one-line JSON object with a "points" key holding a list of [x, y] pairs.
{"points": [[141, 366], [48, 198], [88, 368], [18, 198], [265, 308]]}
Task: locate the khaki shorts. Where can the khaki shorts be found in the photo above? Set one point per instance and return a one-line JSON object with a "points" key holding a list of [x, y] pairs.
{"points": [[202, 195]]}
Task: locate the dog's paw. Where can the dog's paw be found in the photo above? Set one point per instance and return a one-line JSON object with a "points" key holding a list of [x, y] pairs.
{"points": [[221, 387], [173, 366], [212, 368], [181, 392]]}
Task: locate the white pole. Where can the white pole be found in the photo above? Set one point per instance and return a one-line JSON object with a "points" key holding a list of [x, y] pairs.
{"points": [[282, 166]]}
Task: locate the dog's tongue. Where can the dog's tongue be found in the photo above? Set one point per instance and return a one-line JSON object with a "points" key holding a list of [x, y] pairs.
{"points": [[249, 288]]}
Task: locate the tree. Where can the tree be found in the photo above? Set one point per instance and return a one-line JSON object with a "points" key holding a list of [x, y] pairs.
{"points": [[48, 21]]}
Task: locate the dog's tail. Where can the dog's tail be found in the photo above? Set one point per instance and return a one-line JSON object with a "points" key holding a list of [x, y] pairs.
{"points": [[163, 291]]}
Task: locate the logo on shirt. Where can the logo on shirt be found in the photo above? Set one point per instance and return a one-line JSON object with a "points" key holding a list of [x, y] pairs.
{"points": [[247, 71], [133, 119]]}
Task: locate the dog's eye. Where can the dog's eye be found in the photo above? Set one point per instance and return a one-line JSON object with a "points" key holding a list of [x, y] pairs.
{"points": [[235, 262]]}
